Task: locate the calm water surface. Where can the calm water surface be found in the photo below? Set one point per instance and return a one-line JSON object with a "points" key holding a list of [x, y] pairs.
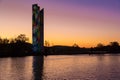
{"points": [[74, 67]]}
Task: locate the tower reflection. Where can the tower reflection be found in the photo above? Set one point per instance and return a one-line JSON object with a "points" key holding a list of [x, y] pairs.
{"points": [[38, 62]]}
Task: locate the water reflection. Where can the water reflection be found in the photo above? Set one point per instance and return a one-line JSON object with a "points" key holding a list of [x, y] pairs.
{"points": [[16, 68], [74, 67], [38, 62], [82, 67]]}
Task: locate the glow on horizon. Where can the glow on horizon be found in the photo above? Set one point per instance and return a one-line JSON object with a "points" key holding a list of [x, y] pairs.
{"points": [[86, 23]]}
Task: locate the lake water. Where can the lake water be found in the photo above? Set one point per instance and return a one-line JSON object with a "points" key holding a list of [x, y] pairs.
{"points": [[64, 67]]}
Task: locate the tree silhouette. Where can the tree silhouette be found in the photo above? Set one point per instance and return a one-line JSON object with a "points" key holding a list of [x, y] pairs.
{"points": [[47, 44], [5, 41], [114, 43], [12, 41], [114, 47], [75, 45], [22, 38], [0, 40], [100, 45]]}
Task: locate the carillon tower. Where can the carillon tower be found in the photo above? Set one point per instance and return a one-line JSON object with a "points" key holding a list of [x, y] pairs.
{"points": [[38, 29]]}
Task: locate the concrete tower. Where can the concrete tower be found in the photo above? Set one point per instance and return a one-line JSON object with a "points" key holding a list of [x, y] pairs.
{"points": [[38, 29]]}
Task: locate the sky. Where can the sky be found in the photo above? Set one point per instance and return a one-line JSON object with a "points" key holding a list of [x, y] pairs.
{"points": [[84, 22]]}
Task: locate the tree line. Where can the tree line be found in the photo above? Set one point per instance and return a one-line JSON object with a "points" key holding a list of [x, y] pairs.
{"points": [[111, 48], [18, 46], [19, 39]]}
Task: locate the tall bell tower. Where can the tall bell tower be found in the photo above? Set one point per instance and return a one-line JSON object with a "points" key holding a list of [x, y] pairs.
{"points": [[37, 29]]}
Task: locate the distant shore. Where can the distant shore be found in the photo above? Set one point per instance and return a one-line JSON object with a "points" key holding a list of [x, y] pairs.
{"points": [[19, 47], [39, 54]]}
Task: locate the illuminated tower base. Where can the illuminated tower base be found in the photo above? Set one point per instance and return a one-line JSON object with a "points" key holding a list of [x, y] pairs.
{"points": [[38, 29]]}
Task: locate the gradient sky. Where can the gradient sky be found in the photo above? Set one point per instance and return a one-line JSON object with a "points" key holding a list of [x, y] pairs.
{"points": [[85, 22]]}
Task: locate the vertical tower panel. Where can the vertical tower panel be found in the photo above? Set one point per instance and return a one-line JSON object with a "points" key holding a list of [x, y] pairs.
{"points": [[42, 30]]}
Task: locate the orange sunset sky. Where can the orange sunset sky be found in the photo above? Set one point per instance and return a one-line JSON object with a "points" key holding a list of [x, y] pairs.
{"points": [[85, 22]]}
